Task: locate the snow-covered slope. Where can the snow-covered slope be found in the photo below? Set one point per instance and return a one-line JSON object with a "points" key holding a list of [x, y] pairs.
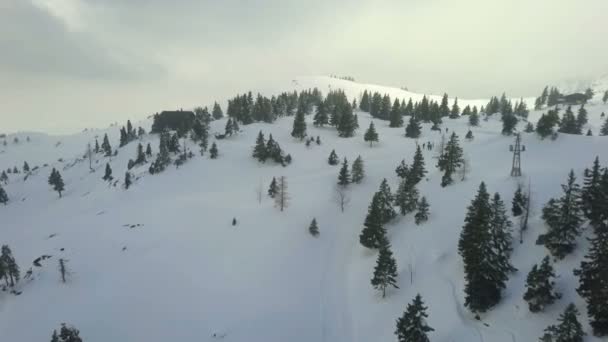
{"points": [[162, 261]]}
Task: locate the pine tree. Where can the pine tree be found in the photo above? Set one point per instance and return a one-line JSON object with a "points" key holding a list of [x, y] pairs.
{"points": [[348, 123], [141, 156], [299, 126], [217, 111], [581, 118], [407, 196], [539, 285], [485, 276], [163, 158], [564, 218], [386, 202], [593, 281], [422, 215], [474, 119], [412, 326], [259, 151], [413, 128], [509, 122], [450, 160], [385, 272], [417, 171], [444, 109], [344, 175], [108, 174], [371, 135], [4, 177], [594, 200], [374, 233], [3, 196], [568, 330], [313, 228], [321, 118], [26, 167], [273, 188], [569, 123], [519, 201], [396, 120], [56, 181], [501, 235], [455, 113], [544, 126], [365, 102], [149, 150], [124, 139], [333, 158], [213, 152], [97, 148], [105, 146], [128, 181], [357, 170]]}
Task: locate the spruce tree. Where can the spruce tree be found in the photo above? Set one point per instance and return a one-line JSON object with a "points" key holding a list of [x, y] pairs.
{"points": [[396, 120], [385, 272], [3, 196], [97, 148], [469, 136], [569, 328], [529, 127], [589, 133], [128, 181], [149, 150], [509, 122], [313, 228], [299, 126], [26, 167], [4, 177], [8, 267], [66, 334], [413, 128], [108, 173], [402, 170], [141, 156], [321, 118], [344, 175], [347, 124], [581, 117], [519, 201], [105, 146], [228, 129], [217, 111], [333, 158], [273, 188], [501, 235], [56, 181], [259, 151], [455, 112], [564, 218], [358, 171], [406, 197], [593, 281], [163, 158], [569, 123], [539, 284], [593, 199], [604, 129], [444, 108], [365, 102], [412, 326], [373, 234], [124, 139], [386, 202], [474, 119], [213, 152], [417, 171], [371, 135], [422, 215], [450, 160], [544, 126], [485, 275]]}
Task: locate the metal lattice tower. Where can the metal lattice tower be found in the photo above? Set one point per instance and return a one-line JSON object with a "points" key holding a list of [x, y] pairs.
{"points": [[517, 149]]}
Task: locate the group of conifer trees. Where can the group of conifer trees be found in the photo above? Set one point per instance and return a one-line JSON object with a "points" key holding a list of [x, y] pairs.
{"points": [[269, 150], [9, 270], [335, 110]]}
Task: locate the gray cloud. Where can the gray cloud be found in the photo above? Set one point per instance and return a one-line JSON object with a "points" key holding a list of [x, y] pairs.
{"points": [[167, 53]]}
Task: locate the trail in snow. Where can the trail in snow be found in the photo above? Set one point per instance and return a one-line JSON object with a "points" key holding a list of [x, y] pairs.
{"points": [[461, 314]]}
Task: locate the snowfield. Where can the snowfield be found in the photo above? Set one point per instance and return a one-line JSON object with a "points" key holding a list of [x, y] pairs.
{"points": [[161, 261]]}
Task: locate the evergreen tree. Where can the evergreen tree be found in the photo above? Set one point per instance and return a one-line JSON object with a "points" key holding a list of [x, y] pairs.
{"points": [[469, 136], [66, 334], [321, 118], [581, 117], [217, 111], [128, 181], [594, 199], [124, 139], [564, 218], [568, 330], [501, 235], [589, 133], [412, 327], [402, 170], [273, 188], [228, 130], [407, 196], [604, 129], [333, 158], [455, 113], [539, 285], [358, 172], [385, 110], [149, 150], [299, 126], [413, 128], [544, 126], [347, 124], [450, 160], [141, 156], [97, 148], [605, 97], [213, 152], [365, 102], [593, 281], [344, 175], [444, 109], [108, 174], [8, 267], [56, 181], [374, 234], [589, 93], [313, 228], [417, 171], [4, 177], [318, 141], [529, 127], [422, 215], [259, 151], [386, 202], [474, 119], [163, 158], [569, 124], [485, 276], [509, 122], [371, 135], [385, 272], [105, 146], [519, 201], [396, 120], [26, 167], [3, 196]]}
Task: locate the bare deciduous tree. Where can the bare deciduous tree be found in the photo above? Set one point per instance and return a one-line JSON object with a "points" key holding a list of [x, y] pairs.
{"points": [[259, 191], [523, 219], [281, 198], [63, 269], [465, 169], [341, 197], [89, 155]]}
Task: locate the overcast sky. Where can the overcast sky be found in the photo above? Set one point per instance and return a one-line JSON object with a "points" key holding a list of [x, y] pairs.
{"points": [[70, 64]]}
